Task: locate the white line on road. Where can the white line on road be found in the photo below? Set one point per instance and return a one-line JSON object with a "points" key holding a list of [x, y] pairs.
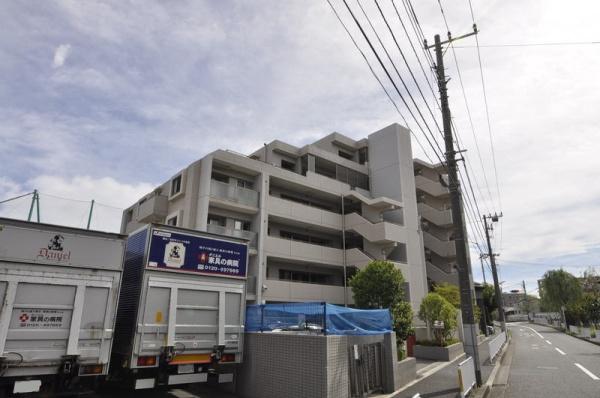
{"points": [[587, 372], [549, 342], [560, 351], [534, 331]]}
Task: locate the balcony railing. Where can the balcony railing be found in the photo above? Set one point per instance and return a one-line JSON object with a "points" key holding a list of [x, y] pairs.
{"points": [[233, 193], [235, 233]]}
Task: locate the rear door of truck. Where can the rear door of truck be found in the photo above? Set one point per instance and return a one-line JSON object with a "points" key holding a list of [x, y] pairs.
{"points": [[193, 315]]}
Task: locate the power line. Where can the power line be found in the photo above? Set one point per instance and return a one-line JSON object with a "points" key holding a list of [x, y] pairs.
{"points": [[377, 78], [395, 69], [16, 197], [388, 74], [549, 44], [487, 110]]}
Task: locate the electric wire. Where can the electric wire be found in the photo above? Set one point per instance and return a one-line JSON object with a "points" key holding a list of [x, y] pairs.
{"points": [[394, 67], [487, 110], [16, 197], [389, 75], [377, 78], [408, 66]]}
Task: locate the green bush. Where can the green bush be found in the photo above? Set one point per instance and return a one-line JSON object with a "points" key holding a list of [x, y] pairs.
{"points": [[433, 343], [436, 308]]}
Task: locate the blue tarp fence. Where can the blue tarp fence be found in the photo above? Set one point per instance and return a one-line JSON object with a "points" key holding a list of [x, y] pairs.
{"points": [[316, 317]]}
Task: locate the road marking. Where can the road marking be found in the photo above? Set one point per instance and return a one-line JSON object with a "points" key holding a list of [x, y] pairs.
{"points": [[587, 372], [534, 331], [549, 342], [560, 351], [547, 367]]}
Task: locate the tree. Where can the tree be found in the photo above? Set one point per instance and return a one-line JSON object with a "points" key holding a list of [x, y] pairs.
{"points": [[559, 289], [436, 308], [449, 292], [381, 285], [489, 301]]}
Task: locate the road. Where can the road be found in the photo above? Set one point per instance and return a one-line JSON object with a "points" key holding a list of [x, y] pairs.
{"points": [[542, 362]]}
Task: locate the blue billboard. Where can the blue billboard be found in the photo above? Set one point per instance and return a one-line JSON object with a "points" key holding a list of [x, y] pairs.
{"points": [[182, 252]]}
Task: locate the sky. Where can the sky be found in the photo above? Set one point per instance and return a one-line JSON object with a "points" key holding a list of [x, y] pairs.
{"points": [[105, 100]]}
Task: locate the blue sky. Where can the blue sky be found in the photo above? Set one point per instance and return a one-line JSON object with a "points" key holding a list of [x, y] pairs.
{"points": [[105, 100]]}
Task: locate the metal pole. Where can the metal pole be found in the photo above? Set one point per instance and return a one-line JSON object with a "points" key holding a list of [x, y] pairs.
{"points": [[526, 301], [484, 309], [90, 215], [495, 275], [344, 249], [33, 198], [464, 267], [37, 206]]}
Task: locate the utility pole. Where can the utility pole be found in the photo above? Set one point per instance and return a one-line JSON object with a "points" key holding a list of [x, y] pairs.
{"points": [[460, 242], [526, 302], [484, 309], [90, 215], [35, 202], [492, 257]]}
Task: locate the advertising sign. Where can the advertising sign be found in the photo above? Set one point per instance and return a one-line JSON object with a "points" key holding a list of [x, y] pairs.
{"points": [[37, 318], [182, 252]]}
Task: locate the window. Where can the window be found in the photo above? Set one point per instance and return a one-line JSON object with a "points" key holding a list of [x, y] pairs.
{"points": [[172, 221], [176, 185], [241, 225], [291, 166], [363, 155], [305, 277], [346, 155], [216, 220], [220, 178], [245, 184]]}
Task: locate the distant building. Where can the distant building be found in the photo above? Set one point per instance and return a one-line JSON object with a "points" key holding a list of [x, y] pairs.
{"points": [[308, 212]]}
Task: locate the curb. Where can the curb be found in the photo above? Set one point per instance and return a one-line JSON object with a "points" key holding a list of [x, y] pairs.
{"points": [[484, 390]]}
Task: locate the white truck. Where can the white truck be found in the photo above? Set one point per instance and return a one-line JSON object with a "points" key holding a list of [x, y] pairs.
{"points": [[181, 311], [59, 289]]}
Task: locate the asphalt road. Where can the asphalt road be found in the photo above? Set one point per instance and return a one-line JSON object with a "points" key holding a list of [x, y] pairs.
{"points": [[542, 362]]}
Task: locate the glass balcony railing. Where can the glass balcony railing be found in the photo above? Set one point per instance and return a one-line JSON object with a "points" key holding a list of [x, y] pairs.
{"points": [[233, 193], [234, 233]]}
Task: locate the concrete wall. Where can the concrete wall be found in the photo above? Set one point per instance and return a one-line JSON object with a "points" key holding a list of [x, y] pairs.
{"points": [[392, 176], [292, 365]]}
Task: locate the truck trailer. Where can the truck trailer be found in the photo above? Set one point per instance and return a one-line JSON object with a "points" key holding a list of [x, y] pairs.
{"points": [[180, 317], [59, 289]]}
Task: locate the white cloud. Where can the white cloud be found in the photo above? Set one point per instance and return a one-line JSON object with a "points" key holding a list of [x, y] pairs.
{"points": [[60, 55]]}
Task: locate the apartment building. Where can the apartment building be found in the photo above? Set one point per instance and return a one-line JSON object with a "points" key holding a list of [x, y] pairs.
{"points": [[311, 214], [433, 203]]}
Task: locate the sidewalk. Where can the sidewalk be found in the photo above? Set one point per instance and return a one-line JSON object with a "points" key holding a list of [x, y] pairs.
{"points": [[440, 379]]}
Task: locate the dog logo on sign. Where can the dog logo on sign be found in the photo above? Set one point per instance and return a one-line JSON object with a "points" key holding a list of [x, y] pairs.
{"points": [[174, 254], [56, 243]]}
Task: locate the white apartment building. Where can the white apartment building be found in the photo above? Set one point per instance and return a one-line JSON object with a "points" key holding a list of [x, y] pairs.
{"points": [[433, 203], [309, 213]]}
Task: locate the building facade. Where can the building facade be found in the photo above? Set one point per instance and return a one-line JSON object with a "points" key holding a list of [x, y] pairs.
{"points": [[311, 214], [435, 210]]}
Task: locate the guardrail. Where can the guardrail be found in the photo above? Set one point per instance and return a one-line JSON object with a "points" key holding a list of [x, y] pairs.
{"points": [[496, 344], [466, 376]]}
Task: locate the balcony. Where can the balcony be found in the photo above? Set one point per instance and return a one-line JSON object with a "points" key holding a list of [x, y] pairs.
{"points": [[295, 291], [441, 218], [307, 252], [443, 248], [153, 209], [381, 232], [232, 197], [433, 188], [300, 212], [251, 236], [440, 276]]}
